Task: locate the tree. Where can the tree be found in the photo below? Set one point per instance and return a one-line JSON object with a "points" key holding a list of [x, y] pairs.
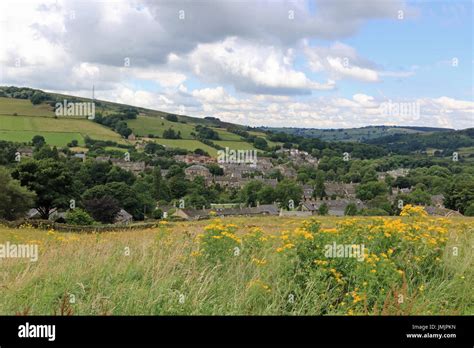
{"points": [[369, 175], [160, 189], [94, 173], [287, 190], [38, 97], [15, 199], [73, 143], [78, 217], [195, 200], [351, 209], [370, 190], [215, 169], [171, 134], [38, 141], [469, 211], [178, 187], [45, 152], [249, 193], [143, 189], [323, 209], [266, 195], [172, 118], [260, 143], [276, 174], [402, 182], [7, 152], [51, 180], [319, 191], [117, 174], [129, 199], [206, 133], [460, 194], [103, 209], [153, 147]]}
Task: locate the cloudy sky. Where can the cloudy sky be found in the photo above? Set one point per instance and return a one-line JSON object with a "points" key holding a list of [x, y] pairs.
{"points": [[322, 63]]}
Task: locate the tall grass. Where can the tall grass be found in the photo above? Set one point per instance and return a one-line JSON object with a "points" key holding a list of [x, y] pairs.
{"points": [[179, 268]]}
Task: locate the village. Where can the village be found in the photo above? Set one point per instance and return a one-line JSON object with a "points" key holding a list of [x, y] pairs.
{"points": [[235, 176]]}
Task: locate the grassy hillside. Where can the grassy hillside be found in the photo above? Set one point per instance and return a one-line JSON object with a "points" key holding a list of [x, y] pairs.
{"points": [[355, 134], [56, 131], [23, 107], [187, 144], [146, 125], [20, 120], [445, 142]]}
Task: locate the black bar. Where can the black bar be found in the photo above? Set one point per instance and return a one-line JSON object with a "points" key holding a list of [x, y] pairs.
{"points": [[195, 330]]}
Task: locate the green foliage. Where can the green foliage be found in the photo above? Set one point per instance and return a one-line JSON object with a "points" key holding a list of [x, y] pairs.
{"points": [[460, 194], [51, 180], [206, 133], [323, 209], [15, 199], [260, 144], [170, 133], [78, 217], [370, 190], [287, 190], [172, 118], [351, 209], [38, 141], [102, 208], [469, 211]]}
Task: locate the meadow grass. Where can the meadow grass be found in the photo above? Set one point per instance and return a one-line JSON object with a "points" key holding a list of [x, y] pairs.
{"points": [[235, 145], [186, 144], [145, 125], [60, 131], [52, 138], [10, 106], [193, 268]]}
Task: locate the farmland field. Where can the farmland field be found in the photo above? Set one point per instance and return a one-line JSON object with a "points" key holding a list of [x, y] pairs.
{"points": [[145, 125], [186, 144], [56, 131], [23, 107], [52, 138], [259, 265], [235, 145]]}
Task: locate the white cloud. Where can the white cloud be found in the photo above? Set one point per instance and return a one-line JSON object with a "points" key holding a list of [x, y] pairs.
{"points": [[251, 68], [341, 61]]}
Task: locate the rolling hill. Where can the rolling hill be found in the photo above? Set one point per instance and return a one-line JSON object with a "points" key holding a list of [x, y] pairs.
{"points": [[361, 134], [20, 120]]}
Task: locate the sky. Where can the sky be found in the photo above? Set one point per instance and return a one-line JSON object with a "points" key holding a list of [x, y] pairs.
{"points": [[312, 64]]}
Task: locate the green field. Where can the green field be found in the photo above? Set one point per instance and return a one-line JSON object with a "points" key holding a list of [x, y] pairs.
{"points": [[57, 132], [52, 138], [186, 144], [234, 145], [10, 106], [225, 135], [145, 125], [34, 120]]}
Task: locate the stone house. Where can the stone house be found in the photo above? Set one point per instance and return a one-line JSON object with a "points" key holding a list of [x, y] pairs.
{"points": [[340, 189], [336, 207], [123, 217], [199, 214], [197, 170], [194, 159], [25, 151], [134, 167]]}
